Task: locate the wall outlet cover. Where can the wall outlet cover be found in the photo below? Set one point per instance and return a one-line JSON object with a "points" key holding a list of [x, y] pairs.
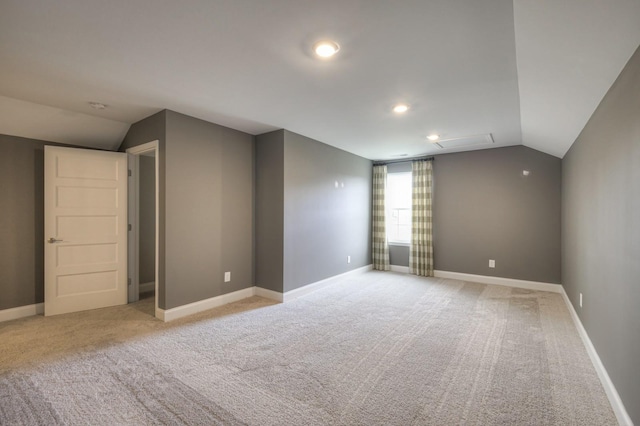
{"points": [[227, 277]]}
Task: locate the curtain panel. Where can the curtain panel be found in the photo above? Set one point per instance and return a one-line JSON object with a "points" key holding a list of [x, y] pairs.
{"points": [[380, 249], [421, 253]]}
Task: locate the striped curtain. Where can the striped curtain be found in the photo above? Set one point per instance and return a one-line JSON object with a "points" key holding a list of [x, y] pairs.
{"points": [[380, 250], [421, 254]]}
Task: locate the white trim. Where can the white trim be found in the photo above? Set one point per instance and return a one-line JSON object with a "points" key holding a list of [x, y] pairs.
{"points": [[145, 147], [136, 151], [299, 292], [509, 282], [203, 305], [398, 268], [133, 219], [609, 388], [150, 286], [614, 398], [21, 312], [268, 294], [309, 288]]}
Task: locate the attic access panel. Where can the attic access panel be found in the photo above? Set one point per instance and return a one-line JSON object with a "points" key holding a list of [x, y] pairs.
{"points": [[465, 141]]}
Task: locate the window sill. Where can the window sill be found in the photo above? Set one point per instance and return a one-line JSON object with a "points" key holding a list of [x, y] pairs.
{"points": [[397, 243]]}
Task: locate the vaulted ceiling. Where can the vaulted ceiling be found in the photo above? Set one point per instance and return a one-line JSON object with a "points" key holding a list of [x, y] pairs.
{"points": [[526, 72]]}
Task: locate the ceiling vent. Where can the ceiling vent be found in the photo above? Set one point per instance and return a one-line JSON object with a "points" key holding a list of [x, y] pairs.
{"points": [[465, 141]]}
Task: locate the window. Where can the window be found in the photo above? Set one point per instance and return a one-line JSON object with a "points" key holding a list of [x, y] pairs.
{"points": [[398, 204]]}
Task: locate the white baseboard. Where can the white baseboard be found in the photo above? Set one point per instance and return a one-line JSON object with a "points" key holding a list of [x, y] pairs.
{"points": [[214, 302], [509, 282], [609, 388], [203, 305], [398, 268], [299, 292], [21, 312], [150, 286], [268, 294]]}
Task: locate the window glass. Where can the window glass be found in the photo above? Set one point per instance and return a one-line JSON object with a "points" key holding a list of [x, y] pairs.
{"points": [[398, 203]]}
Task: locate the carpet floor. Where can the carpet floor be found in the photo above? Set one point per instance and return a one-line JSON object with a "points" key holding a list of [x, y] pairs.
{"points": [[380, 348]]}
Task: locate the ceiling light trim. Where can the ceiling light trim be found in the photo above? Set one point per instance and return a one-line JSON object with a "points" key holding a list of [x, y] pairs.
{"points": [[401, 108], [326, 49]]}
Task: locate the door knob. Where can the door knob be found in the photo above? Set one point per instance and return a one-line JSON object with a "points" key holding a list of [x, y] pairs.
{"points": [[53, 240]]}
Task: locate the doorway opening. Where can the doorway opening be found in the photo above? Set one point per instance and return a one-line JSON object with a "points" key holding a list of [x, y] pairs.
{"points": [[143, 215]]}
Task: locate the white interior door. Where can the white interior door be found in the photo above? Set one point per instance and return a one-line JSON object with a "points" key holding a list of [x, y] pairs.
{"points": [[85, 224]]}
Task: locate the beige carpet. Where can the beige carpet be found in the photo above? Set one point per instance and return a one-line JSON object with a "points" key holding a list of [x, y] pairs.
{"points": [[379, 349]]}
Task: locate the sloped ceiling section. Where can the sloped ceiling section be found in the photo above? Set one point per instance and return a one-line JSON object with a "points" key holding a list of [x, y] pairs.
{"points": [[35, 121], [569, 54], [527, 72]]}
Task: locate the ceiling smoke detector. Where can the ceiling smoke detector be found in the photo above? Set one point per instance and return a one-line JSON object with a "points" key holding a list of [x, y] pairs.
{"points": [[97, 105]]}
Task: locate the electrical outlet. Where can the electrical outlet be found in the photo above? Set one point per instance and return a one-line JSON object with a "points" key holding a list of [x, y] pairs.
{"points": [[492, 263], [227, 277], [581, 300], [348, 259]]}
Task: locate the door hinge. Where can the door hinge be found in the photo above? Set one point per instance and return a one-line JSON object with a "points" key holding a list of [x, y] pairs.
{"points": [[128, 281], [129, 227], [129, 172]]}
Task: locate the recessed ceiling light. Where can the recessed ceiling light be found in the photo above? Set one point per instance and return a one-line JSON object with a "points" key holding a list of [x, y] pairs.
{"points": [[326, 48], [400, 108], [433, 138], [97, 105]]}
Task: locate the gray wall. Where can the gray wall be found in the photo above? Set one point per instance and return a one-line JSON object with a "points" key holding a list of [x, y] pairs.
{"points": [[147, 216], [147, 130], [485, 209], [209, 209], [601, 232], [21, 221], [399, 255], [270, 210], [324, 224]]}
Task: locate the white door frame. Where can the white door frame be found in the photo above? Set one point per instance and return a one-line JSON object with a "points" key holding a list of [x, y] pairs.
{"points": [[134, 218]]}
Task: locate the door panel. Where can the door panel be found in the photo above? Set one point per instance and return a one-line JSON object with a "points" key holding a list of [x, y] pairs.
{"points": [[85, 229], [96, 169], [82, 197], [81, 255]]}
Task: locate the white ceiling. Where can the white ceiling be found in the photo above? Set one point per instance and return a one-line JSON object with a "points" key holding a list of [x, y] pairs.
{"points": [[526, 71]]}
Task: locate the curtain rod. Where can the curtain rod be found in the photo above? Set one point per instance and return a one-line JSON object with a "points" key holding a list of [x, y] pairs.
{"points": [[403, 160]]}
